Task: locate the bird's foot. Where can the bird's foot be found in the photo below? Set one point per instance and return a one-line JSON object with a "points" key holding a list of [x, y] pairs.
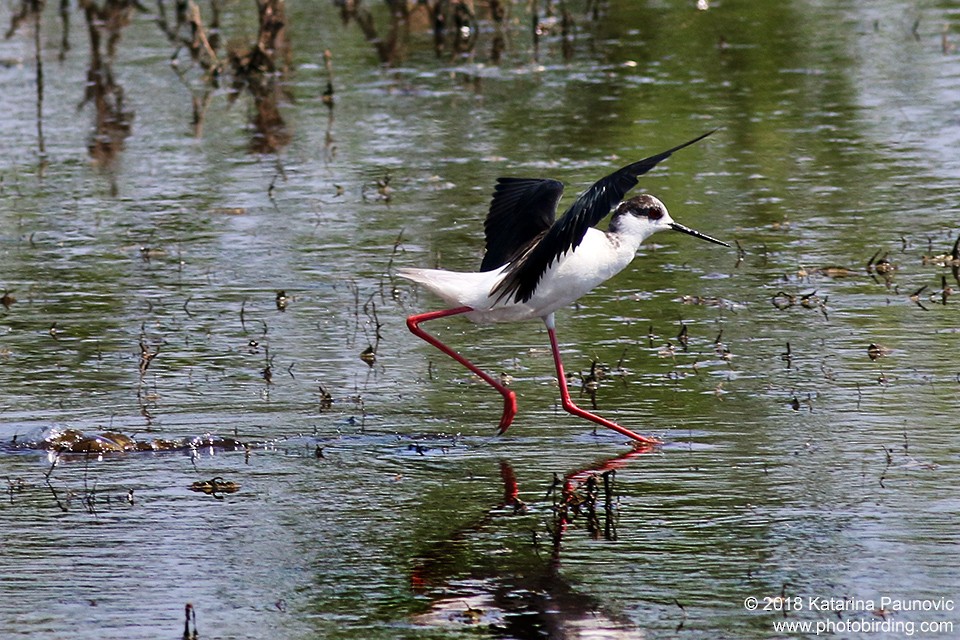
{"points": [[645, 443], [509, 411], [638, 441]]}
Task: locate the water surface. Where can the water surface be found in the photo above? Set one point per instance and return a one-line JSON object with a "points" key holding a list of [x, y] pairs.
{"points": [[794, 464]]}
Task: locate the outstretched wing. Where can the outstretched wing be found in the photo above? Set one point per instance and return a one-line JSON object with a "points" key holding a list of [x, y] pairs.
{"points": [[521, 210], [592, 206]]}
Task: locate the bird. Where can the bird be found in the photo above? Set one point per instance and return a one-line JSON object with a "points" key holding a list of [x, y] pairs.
{"points": [[535, 263]]}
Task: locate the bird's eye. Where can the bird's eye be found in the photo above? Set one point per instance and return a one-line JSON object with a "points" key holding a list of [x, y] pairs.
{"points": [[654, 213]]}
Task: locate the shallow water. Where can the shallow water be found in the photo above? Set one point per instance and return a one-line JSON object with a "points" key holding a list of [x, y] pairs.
{"points": [[809, 470]]}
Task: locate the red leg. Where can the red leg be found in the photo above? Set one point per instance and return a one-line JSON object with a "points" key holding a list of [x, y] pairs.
{"points": [[570, 407], [509, 397]]}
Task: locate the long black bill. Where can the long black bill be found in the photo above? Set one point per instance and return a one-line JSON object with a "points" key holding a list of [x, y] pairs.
{"points": [[676, 226]]}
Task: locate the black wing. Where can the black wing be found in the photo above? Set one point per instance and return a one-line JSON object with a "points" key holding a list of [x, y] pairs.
{"points": [[592, 206], [521, 210]]}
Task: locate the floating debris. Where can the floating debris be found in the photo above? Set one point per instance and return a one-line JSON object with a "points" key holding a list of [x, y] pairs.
{"points": [[783, 300], [951, 259], [710, 301], [915, 297], [881, 266], [943, 293], [683, 337], [215, 487], [148, 253], [369, 355], [787, 356], [876, 351], [146, 357], [836, 272], [282, 300], [69, 441], [326, 400]]}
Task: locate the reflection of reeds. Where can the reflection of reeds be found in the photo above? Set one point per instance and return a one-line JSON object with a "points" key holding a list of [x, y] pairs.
{"points": [[455, 25], [202, 48], [28, 9], [65, 29], [388, 48], [112, 122], [32, 9], [259, 69]]}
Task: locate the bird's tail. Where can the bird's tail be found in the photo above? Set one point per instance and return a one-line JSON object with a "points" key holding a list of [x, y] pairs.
{"points": [[453, 287]]}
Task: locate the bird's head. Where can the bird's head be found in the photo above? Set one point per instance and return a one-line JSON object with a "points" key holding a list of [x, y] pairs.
{"points": [[644, 215]]}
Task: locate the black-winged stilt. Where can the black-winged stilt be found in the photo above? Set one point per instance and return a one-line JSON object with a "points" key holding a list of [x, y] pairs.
{"points": [[534, 265]]}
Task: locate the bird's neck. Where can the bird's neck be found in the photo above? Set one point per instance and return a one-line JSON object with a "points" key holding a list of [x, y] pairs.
{"points": [[627, 235]]}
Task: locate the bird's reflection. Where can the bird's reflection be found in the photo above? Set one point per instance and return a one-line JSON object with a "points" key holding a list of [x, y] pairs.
{"points": [[606, 465], [520, 591], [579, 493]]}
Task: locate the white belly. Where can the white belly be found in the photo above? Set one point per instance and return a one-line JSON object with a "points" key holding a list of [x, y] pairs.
{"points": [[595, 261]]}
